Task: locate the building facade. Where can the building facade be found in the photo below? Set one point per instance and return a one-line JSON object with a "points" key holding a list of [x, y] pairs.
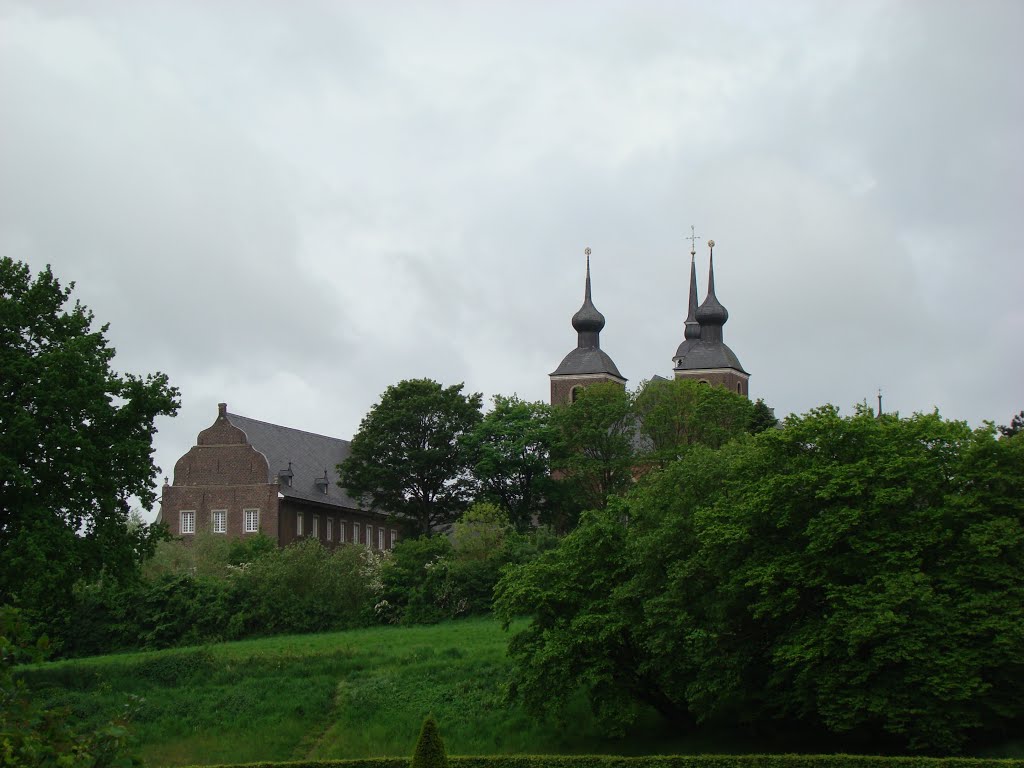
{"points": [[245, 476]]}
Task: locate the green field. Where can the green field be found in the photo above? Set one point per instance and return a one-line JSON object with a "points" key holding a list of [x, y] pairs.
{"points": [[360, 693]]}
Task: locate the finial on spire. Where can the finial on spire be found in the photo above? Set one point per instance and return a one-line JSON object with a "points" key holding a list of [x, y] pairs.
{"points": [[693, 243]]}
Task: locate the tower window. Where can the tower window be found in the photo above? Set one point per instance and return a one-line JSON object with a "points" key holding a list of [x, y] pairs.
{"points": [[739, 388], [574, 393]]}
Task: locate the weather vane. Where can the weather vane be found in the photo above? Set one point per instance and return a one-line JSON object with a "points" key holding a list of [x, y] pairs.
{"points": [[693, 240]]}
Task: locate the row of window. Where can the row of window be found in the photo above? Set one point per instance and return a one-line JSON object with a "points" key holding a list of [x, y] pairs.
{"points": [[369, 540], [219, 520]]}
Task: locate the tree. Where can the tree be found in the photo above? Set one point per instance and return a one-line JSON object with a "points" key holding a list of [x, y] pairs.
{"points": [[762, 418], [677, 414], [511, 454], [856, 575], [1015, 427], [75, 445], [593, 444], [408, 458]]}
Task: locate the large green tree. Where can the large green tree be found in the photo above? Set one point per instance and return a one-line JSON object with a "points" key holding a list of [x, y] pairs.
{"points": [[679, 413], [855, 575], [593, 446], [75, 445], [511, 453], [408, 458]]}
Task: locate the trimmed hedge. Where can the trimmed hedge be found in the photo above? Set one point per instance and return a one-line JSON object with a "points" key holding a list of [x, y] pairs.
{"points": [[660, 761]]}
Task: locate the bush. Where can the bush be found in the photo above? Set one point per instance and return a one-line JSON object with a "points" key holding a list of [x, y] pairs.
{"points": [[429, 752]]}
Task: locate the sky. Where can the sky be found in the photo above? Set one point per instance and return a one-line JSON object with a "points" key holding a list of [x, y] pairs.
{"points": [[289, 207]]}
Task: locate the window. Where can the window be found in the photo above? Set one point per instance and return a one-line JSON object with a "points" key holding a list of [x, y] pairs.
{"points": [[355, 534], [341, 531], [220, 521], [252, 520], [394, 538], [298, 523], [316, 527], [739, 388], [330, 528], [380, 538], [188, 521], [369, 535], [574, 393]]}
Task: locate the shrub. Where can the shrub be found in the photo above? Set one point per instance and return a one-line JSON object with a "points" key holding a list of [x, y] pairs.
{"points": [[429, 752]]}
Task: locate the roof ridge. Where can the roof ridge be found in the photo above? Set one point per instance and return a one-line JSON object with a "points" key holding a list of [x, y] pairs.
{"points": [[290, 429]]}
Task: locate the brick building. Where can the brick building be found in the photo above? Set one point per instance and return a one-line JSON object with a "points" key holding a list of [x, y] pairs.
{"points": [[702, 355], [245, 476]]}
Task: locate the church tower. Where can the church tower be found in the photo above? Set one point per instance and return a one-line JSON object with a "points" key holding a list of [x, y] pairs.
{"points": [[588, 363], [703, 355]]}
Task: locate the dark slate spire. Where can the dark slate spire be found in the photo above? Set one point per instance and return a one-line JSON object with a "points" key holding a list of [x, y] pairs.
{"points": [[588, 322], [711, 314], [587, 358], [692, 330]]}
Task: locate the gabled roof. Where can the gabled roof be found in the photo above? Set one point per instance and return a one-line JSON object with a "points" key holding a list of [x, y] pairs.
{"points": [[308, 454]]}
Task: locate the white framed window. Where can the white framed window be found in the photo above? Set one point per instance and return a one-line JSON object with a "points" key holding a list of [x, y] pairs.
{"points": [[252, 520], [380, 538], [315, 532], [298, 523], [341, 531], [355, 534], [188, 521], [369, 535], [219, 520], [394, 538], [330, 528]]}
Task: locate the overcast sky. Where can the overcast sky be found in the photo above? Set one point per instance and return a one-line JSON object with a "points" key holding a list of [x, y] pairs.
{"points": [[289, 206]]}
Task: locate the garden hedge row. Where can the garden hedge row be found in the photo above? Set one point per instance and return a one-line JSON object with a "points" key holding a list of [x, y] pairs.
{"points": [[675, 761]]}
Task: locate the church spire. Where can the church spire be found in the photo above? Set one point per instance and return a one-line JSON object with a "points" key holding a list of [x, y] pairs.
{"points": [[692, 330], [588, 321], [711, 314]]}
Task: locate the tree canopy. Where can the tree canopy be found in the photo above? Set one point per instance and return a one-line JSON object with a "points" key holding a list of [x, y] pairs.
{"points": [[510, 450], [75, 444], [857, 575], [407, 457]]}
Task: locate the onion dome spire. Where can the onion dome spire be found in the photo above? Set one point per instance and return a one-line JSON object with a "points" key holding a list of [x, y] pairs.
{"points": [[711, 314], [588, 359], [588, 321]]}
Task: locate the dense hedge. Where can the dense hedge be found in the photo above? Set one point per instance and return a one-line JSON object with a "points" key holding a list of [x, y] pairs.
{"points": [[659, 761]]}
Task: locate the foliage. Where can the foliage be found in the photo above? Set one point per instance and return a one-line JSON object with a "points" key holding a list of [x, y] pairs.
{"points": [[433, 578], [32, 734], [679, 413], [1015, 427], [429, 752], [407, 457], [75, 445], [858, 575], [593, 444], [511, 454], [659, 761], [302, 588], [761, 418]]}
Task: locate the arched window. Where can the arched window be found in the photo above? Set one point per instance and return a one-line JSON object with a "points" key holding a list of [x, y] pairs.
{"points": [[574, 393], [704, 381], [739, 388]]}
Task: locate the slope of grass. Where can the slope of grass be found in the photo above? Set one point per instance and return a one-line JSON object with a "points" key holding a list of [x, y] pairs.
{"points": [[349, 694]]}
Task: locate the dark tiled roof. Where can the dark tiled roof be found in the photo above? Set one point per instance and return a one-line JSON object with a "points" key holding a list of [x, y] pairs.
{"points": [[587, 360], [309, 454], [707, 354]]}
